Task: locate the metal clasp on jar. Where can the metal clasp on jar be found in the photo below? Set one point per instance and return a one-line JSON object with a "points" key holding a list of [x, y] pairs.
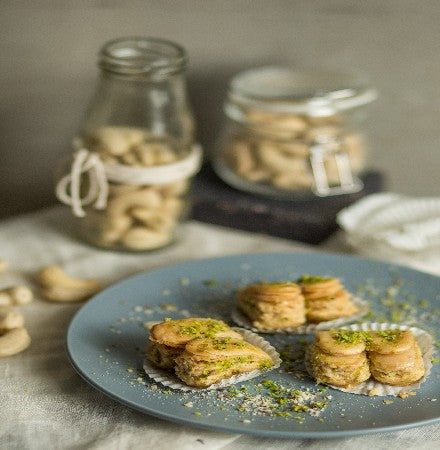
{"points": [[325, 152]]}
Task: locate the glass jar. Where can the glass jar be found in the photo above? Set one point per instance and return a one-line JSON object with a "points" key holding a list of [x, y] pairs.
{"points": [[290, 135], [135, 155]]}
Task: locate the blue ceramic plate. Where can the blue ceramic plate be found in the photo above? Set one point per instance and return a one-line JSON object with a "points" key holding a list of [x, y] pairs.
{"points": [[107, 337]]}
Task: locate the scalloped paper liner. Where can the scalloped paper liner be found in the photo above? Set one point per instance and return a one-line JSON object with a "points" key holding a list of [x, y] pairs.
{"points": [[168, 379], [425, 342], [241, 319]]}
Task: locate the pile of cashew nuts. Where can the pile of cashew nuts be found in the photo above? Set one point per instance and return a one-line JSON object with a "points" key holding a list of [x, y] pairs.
{"points": [[274, 149], [137, 217], [14, 337], [56, 286]]}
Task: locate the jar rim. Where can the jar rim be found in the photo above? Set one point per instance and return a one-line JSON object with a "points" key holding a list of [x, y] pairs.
{"points": [[316, 93], [142, 56]]}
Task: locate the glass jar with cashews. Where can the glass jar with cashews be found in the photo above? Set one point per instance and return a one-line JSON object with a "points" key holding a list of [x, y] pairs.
{"points": [[129, 178], [294, 135]]}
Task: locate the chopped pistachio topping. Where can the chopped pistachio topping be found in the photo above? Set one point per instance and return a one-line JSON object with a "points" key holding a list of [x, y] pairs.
{"points": [[389, 335], [221, 344], [208, 328], [310, 279], [350, 336], [278, 283]]}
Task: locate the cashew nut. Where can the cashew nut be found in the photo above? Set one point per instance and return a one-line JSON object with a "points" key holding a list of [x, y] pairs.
{"points": [[175, 189], [130, 159], [278, 125], [14, 341], [274, 159], [240, 157], [155, 219], [141, 238], [117, 140], [109, 159], [9, 318], [172, 206], [14, 338], [257, 175], [16, 295], [288, 180], [163, 154], [145, 197], [113, 228], [145, 154], [60, 287]]}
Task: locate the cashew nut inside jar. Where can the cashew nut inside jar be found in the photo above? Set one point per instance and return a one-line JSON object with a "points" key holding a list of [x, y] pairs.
{"points": [[291, 134], [129, 179]]}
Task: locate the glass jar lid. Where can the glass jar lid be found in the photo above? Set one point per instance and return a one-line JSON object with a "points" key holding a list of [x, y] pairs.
{"points": [[282, 90], [139, 56]]}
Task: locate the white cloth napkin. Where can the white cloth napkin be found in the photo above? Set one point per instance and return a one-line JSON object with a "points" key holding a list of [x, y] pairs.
{"points": [[45, 404], [396, 228]]}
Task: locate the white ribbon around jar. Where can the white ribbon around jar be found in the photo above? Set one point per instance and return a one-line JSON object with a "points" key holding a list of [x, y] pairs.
{"points": [[100, 174]]}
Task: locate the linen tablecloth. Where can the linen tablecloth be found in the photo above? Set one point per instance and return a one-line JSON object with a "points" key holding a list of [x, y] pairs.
{"points": [[44, 404]]}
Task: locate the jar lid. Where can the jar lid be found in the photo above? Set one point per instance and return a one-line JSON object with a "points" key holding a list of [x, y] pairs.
{"points": [[314, 93], [142, 56]]}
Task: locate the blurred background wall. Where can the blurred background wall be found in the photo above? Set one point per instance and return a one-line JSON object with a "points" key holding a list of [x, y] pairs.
{"points": [[48, 72]]}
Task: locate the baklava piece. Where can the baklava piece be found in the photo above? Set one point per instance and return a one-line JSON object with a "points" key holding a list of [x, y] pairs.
{"points": [[338, 358], [395, 357], [272, 306], [208, 361], [168, 338], [326, 299]]}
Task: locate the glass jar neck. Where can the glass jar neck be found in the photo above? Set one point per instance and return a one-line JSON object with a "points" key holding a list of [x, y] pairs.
{"points": [[140, 58]]}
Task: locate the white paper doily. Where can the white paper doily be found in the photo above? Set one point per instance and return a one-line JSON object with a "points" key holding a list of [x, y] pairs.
{"points": [[425, 342], [170, 380], [241, 319]]}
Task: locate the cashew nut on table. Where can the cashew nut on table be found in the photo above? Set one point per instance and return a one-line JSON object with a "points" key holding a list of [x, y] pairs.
{"points": [[16, 295], [14, 338], [58, 286]]}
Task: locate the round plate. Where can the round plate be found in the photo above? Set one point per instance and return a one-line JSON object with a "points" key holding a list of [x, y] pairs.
{"points": [[107, 337]]}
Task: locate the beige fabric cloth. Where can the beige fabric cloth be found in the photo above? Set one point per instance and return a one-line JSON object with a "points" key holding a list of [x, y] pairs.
{"points": [[44, 404]]}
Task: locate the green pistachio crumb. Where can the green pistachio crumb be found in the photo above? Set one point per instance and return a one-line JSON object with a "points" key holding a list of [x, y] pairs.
{"points": [[389, 335], [310, 279]]}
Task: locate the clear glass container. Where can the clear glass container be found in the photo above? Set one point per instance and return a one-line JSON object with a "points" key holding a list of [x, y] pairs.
{"points": [[291, 135], [140, 127]]}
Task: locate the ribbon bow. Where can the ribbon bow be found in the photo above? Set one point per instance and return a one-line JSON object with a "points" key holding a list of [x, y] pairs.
{"points": [[84, 162]]}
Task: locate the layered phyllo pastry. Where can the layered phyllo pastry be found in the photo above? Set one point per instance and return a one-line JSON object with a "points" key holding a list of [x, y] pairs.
{"points": [[326, 299], [168, 339], [395, 357], [345, 358], [208, 361], [271, 306], [339, 358]]}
